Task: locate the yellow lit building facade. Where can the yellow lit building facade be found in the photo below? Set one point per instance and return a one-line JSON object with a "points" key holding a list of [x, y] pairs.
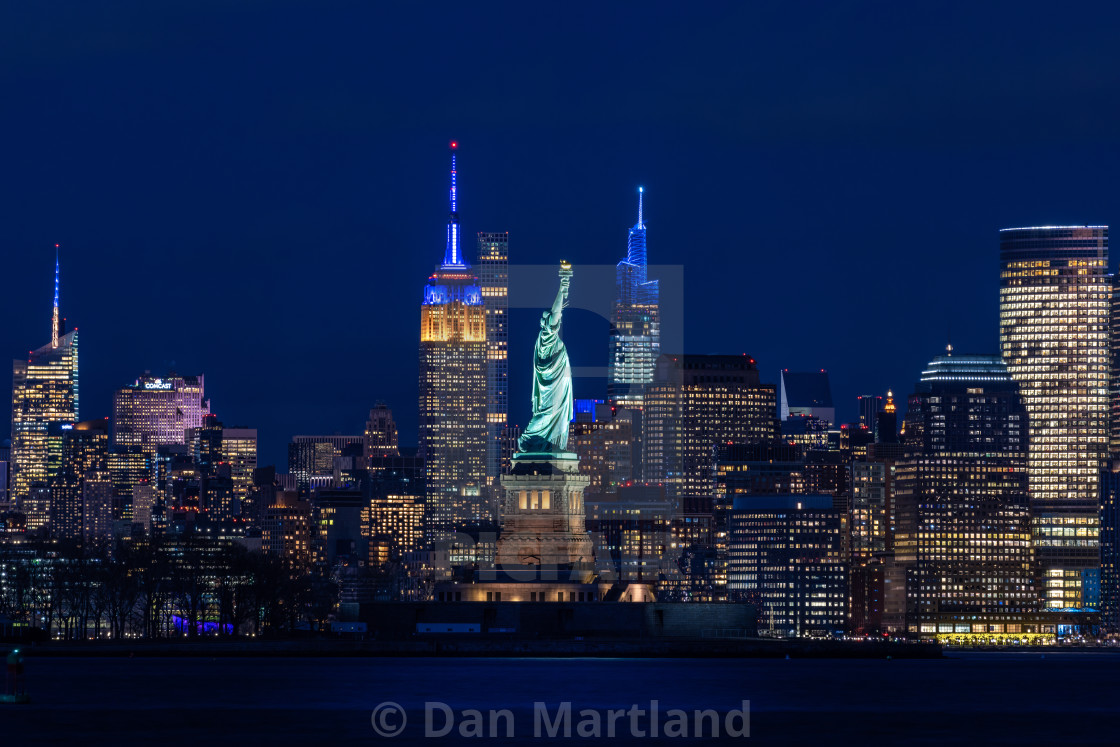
{"points": [[44, 391], [394, 526], [1054, 337]]}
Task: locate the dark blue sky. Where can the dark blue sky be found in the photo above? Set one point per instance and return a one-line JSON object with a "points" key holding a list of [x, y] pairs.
{"points": [[257, 190]]}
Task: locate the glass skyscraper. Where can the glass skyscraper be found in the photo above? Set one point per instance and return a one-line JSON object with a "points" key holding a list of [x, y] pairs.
{"points": [[635, 333], [1054, 337], [453, 389], [493, 272], [44, 391]]}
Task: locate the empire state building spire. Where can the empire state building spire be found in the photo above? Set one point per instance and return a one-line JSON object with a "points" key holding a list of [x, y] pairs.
{"points": [[54, 318], [453, 257]]}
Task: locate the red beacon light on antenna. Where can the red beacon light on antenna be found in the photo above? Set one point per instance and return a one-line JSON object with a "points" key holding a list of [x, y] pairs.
{"points": [[454, 144]]}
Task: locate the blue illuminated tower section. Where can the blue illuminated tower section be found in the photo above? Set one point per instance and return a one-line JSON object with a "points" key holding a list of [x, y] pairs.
{"points": [[453, 389], [635, 335]]}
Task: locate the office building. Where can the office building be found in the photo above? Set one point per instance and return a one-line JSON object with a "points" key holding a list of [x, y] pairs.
{"points": [[694, 403], [787, 556], [129, 468], [453, 389], [1054, 337], [158, 411], [44, 391], [493, 275], [81, 489], [963, 564], [635, 332]]}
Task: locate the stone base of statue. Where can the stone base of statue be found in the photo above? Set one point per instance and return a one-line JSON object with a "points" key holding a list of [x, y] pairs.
{"points": [[544, 529]]}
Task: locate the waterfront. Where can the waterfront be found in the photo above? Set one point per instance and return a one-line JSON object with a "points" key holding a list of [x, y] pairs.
{"points": [[995, 698]]}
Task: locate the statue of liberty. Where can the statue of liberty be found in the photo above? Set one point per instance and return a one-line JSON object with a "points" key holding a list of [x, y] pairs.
{"points": [[547, 432]]}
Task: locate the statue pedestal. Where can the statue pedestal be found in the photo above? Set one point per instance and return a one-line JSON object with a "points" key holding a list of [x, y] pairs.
{"points": [[544, 528]]}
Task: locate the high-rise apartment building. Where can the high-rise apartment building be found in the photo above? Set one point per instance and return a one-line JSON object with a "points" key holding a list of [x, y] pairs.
{"points": [[694, 403], [286, 531], [44, 391], [962, 541], [453, 389], [158, 411], [493, 275], [1054, 336], [635, 332]]}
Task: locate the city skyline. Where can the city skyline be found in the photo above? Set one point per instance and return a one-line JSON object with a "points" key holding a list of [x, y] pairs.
{"points": [[288, 220], [699, 358], [277, 442]]}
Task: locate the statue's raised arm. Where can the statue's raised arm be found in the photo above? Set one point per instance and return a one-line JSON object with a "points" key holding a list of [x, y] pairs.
{"points": [[547, 432]]}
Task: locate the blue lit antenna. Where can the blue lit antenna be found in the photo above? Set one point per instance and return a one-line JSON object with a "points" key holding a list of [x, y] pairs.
{"points": [[454, 206], [54, 318], [640, 223], [451, 257]]}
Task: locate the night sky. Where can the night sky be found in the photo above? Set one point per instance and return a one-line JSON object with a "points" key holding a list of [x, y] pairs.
{"points": [[257, 190]]}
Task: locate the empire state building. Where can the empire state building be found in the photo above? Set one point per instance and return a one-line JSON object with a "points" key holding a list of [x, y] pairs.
{"points": [[453, 389]]}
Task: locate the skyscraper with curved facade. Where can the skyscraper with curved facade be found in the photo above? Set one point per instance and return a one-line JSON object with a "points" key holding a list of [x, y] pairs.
{"points": [[453, 389], [1054, 337]]}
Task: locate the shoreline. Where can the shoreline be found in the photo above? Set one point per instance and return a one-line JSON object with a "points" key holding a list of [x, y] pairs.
{"points": [[466, 647]]}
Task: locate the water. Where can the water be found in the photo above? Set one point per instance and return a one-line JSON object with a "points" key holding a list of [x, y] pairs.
{"points": [[995, 698]]}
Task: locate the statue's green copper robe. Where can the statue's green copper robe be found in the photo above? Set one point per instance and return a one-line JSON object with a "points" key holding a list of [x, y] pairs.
{"points": [[547, 432]]}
